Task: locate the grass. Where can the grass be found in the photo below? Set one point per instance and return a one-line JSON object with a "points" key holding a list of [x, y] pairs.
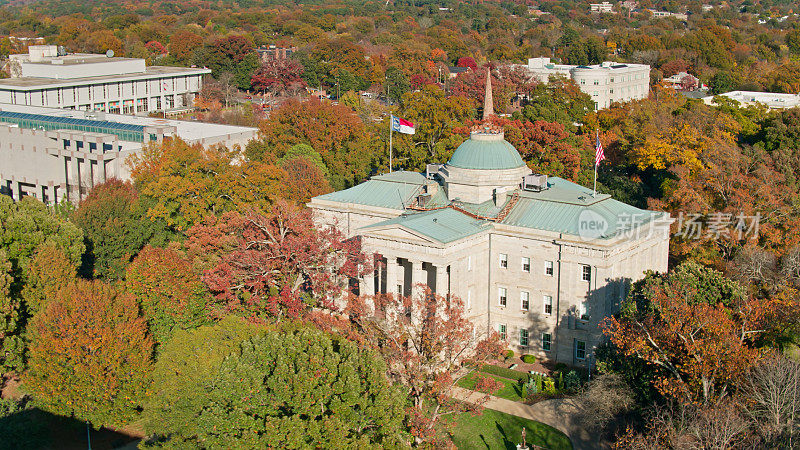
{"points": [[496, 430], [511, 390]]}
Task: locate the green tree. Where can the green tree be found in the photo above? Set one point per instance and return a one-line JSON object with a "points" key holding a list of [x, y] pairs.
{"points": [[26, 225], [90, 355], [169, 292], [560, 100], [435, 116], [11, 344], [397, 82], [290, 387], [114, 220], [49, 271]]}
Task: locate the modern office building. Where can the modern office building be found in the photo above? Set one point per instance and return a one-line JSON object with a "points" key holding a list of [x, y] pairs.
{"points": [[540, 260], [772, 100], [606, 83], [57, 154], [47, 76]]}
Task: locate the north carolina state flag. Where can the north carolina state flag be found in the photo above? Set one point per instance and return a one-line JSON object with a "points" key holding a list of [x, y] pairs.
{"points": [[402, 125]]}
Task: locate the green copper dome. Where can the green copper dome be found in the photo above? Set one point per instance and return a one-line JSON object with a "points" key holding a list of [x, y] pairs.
{"points": [[486, 153]]}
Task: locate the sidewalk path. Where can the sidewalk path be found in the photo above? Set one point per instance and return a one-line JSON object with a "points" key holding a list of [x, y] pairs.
{"points": [[558, 413]]}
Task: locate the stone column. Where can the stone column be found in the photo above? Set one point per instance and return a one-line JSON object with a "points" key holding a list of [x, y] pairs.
{"points": [[74, 181], [367, 284], [442, 281], [418, 277], [391, 275]]}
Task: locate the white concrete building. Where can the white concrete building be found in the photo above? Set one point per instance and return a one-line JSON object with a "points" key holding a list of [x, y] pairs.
{"points": [[604, 7], [540, 260], [56, 154], [606, 83], [46, 77], [771, 100]]}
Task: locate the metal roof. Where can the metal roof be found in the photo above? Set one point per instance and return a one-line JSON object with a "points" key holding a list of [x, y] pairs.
{"points": [[394, 190], [487, 155], [442, 225], [124, 131], [564, 206]]}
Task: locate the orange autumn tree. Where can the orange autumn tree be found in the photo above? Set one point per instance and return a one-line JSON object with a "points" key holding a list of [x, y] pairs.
{"points": [[694, 326], [90, 355]]}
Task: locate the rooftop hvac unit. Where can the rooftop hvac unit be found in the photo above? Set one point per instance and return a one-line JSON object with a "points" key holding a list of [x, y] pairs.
{"points": [[535, 182], [431, 170]]}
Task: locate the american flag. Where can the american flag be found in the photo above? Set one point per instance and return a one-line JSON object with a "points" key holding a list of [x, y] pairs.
{"points": [[598, 152]]}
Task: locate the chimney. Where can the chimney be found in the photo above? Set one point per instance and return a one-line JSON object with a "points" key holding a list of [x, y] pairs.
{"points": [[500, 196]]}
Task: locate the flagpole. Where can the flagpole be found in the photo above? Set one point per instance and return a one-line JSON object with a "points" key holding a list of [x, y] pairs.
{"points": [[594, 189], [391, 127]]}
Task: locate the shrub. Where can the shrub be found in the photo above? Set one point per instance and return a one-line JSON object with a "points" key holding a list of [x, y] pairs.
{"points": [[559, 367], [528, 359], [519, 377], [509, 354], [572, 381], [549, 386]]}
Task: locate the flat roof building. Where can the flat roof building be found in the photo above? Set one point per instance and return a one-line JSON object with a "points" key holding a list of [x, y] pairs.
{"points": [[58, 154], [47, 76], [771, 100], [606, 83]]}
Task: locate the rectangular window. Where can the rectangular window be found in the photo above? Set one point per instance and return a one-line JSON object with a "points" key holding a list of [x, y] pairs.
{"points": [[503, 294], [526, 264], [580, 350], [596, 82], [548, 304], [586, 273], [400, 290], [547, 340], [501, 328], [548, 268], [523, 337], [503, 260], [525, 300], [612, 79]]}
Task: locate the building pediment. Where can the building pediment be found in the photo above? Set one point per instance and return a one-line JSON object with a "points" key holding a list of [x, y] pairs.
{"points": [[397, 232]]}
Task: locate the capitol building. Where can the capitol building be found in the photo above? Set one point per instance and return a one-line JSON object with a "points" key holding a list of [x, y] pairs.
{"points": [[540, 260]]}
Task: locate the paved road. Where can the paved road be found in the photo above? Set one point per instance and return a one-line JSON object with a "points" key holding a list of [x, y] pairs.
{"points": [[558, 413]]}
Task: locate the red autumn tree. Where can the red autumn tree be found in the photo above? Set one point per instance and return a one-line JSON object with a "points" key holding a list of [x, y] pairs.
{"points": [[278, 76], [547, 147], [467, 61], [156, 47], [90, 355], [425, 338], [695, 327], [169, 292], [276, 264]]}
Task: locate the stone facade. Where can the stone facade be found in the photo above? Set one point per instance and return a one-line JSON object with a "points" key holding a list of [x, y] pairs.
{"points": [[521, 262]]}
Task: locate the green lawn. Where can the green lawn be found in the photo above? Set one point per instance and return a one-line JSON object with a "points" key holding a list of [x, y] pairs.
{"points": [[510, 390], [496, 430]]}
